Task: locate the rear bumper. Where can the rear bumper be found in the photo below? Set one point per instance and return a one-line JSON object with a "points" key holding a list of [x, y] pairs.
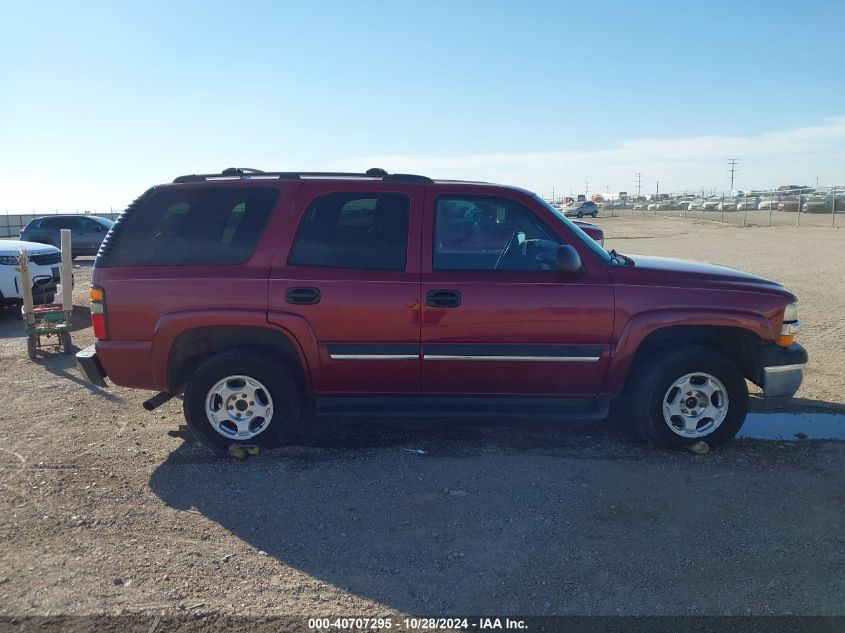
{"points": [[777, 370], [89, 366]]}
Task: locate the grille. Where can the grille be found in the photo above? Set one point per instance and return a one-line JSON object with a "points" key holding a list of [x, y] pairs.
{"points": [[46, 259]]}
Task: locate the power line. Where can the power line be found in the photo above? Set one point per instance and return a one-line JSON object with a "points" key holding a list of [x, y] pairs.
{"points": [[732, 164]]}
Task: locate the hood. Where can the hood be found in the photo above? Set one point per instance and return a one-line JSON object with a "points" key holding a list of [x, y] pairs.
{"points": [[586, 225], [681, 272], [11, 247]]}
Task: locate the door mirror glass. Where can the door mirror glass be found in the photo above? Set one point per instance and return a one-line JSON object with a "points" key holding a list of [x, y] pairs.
{"points": [[568, 260], [520, 238]]}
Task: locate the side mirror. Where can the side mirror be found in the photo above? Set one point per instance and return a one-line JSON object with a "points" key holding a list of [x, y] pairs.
{"points": [[568, 260]]}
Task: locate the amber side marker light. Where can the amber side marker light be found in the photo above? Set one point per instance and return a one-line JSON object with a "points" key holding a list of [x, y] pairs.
{"points": [[98, 313]]}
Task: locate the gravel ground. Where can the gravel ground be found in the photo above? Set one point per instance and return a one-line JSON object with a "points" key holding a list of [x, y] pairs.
{"points": [[108, 509]]}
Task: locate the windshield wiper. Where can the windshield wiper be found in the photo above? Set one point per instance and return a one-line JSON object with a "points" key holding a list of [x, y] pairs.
{"points": [[619, 256]]}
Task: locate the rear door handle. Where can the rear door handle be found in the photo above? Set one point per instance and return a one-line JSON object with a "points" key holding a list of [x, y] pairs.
{"points": [[302, 296], [443, 298]]}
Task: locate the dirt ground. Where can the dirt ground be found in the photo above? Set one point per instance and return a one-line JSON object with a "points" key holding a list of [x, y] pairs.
{"points": [[108, 509]]}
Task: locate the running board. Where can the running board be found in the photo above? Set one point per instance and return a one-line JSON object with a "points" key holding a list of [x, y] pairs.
{"points": [[418, 407]]}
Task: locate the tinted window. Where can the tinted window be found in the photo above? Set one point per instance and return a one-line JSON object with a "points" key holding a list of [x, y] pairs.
{"points": [[353, 230], [56, 223], [485, 233], [219, 225], [86, 224]]}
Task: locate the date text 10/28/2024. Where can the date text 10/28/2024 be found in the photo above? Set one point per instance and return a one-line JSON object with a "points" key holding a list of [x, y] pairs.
{"points": [[411, 624]]}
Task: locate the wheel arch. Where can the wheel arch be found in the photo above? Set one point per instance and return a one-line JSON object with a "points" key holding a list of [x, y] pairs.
{"points": [[192, 347], [733, 335]]}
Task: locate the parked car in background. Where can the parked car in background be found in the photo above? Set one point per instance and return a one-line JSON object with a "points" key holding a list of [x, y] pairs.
{"points": [[726, 205], [593, 230], [44, 264], [87, 231], [257, 295], [817, 204], [696, 204], [747, 204], [640, 206], [581, 208], [767, 204], [789, 204], [711, 204]]}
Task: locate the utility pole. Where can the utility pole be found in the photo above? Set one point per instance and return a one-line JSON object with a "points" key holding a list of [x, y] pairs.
{"points": [[586, 189], [639, 183], [732, 165], [657, 194], [553, 194]]}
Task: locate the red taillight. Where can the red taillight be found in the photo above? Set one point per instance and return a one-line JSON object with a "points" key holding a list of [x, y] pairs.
{"points": [[99, 323], [98, 313]]}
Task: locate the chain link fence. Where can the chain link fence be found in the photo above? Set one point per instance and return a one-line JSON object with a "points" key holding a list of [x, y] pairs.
{"points": [[785, 206]]}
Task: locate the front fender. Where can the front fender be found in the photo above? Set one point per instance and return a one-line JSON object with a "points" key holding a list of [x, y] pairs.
{"points": [[641, 325]]}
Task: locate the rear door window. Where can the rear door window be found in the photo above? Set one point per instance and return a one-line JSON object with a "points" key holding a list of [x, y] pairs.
{"points": [[219, 225], [365, 231]]}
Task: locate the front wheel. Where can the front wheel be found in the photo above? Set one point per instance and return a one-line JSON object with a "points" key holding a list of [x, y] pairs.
{"points": [[242, 396], [686, 396], [580, 214]]}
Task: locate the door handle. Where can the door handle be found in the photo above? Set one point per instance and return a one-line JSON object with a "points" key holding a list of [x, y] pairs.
{"points": [[302, 296], [443, 298]]}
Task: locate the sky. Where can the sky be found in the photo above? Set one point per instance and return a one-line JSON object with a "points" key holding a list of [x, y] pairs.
{"points": [[100, 100]]}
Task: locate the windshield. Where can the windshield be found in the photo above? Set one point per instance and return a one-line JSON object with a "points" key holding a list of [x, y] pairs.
{"points": [[586, 239]]}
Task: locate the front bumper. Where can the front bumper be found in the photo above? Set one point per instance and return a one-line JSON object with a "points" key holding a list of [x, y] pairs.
{"points": [[90, 368], [777, 370]]}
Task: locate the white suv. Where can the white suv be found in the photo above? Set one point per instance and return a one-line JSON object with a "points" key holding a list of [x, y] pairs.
{"points": [[44, 264]]}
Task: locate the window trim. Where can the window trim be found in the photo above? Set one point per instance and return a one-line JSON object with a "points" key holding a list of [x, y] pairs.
{"points": [[434, 267], [360, 194]]}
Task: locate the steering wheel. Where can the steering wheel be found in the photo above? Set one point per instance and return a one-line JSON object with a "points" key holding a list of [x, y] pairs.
{"points": [[505, 250]]}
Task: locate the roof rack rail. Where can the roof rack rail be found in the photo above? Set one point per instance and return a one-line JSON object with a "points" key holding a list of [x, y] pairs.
{"points": [[247, 172]]}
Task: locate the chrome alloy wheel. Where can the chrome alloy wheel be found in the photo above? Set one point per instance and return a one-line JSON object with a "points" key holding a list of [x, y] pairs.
{"points": [[695, 405], [239, 407]]}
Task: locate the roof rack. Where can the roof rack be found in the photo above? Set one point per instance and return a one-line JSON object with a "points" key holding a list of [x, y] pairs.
{"points": [[247, 172]]}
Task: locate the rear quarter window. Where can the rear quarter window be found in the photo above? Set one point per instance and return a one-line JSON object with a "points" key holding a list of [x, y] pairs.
{"points": [[219, 225]]}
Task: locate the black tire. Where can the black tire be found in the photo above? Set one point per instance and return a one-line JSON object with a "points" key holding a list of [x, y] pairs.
{"points": [[580, 214], [66, 342], [31, 346], [282, 383], [651, 377], [595, 214]]}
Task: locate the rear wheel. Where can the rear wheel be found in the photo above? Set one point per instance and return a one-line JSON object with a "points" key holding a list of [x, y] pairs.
{"points": [[580, 214], [243, 396], [686, 396]]}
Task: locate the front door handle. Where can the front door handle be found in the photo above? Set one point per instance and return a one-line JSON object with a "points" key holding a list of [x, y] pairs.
{"points": [[443, 298], [302, 296]]}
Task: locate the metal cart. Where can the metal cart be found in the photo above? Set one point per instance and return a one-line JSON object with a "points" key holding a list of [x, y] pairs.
{"points": [[46, 322]]}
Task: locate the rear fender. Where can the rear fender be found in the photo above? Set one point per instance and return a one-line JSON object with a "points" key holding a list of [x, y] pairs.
{"points": [[294, 327]]}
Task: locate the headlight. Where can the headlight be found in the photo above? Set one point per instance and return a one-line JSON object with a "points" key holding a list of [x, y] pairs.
{"points": [[791, 313], [8, 260]]}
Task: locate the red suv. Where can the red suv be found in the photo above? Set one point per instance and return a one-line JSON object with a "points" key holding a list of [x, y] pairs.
{"points": [[261, 295]]}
